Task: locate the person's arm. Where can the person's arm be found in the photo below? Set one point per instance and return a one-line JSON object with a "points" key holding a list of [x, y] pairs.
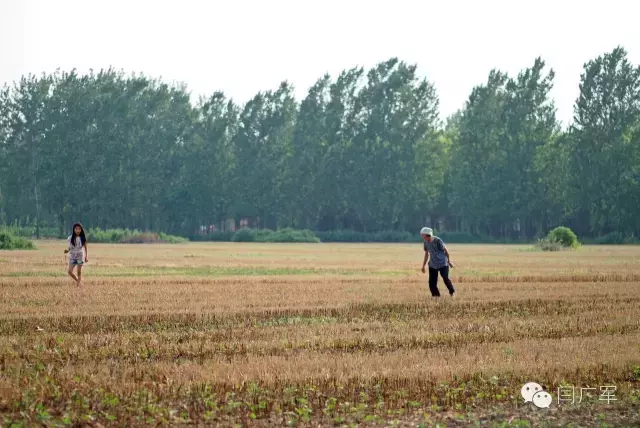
{"points": [[86, 252], [426, 259], [446, 252], [68, 246]]}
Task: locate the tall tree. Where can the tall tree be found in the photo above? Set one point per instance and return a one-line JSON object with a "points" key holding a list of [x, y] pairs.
{"points": [[308, 151], [474, 156], [531, 123], [25, 126], [261, 146], [205, 194], [604, 152]]}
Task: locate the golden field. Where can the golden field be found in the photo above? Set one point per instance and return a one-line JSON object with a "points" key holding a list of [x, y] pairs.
{"points": [[316, 334]]}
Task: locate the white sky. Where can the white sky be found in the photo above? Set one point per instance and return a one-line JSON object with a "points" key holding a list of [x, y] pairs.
{"points": [[243, 46]]}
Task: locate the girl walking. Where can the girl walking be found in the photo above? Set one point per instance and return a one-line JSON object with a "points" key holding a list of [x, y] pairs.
{"points": [[78, 252]]}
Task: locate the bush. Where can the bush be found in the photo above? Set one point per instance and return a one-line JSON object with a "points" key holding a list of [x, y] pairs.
{"points": [[217, 236], [243, 235], [547, 245], [172, 239], [354, 236], [342, 236], [464, 238], [30, 231], [141, 238], [125, 236], [291, 235], [266, 235], [398, 236], [10, 242], [563, 236]]}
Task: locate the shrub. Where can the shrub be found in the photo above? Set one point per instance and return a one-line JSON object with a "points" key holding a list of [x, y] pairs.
{"points": [[30, 231], [564, 236], [266, 235], [547, 245], [291, 235], [243, 235], [398, 236], [109, 236], [463, 238], [141, 238], [10, 242], [342, 236], [217, 236], [125, 236], [347, 235], [172, 239]]}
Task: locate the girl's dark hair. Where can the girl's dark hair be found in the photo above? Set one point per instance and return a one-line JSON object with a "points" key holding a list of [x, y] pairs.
{"points": [[83, 238]]}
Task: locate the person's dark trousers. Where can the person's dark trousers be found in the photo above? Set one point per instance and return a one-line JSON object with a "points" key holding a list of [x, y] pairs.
{"points": [[433, 280]]}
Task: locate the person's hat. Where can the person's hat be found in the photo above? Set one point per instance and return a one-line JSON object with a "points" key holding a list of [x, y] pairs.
{"points": [[426, 231]]}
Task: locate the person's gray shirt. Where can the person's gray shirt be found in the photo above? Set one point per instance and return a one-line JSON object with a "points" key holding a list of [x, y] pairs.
{"points": [[437, 257]]}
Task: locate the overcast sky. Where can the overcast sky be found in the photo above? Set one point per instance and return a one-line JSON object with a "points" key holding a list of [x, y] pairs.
{"points": [[242, 47]]}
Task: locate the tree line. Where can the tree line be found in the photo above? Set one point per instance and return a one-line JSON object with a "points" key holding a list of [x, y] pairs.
{"points": [[365, 150]]}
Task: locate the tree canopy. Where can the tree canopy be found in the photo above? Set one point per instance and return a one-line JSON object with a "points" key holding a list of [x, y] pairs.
{"points": [[365, 150]]}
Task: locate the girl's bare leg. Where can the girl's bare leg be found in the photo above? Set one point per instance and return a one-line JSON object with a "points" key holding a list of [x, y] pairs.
{"points": [[70, 272], [79, 275]]}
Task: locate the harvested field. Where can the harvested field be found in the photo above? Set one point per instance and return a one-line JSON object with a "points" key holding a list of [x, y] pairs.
{"points": [[317, 334]]}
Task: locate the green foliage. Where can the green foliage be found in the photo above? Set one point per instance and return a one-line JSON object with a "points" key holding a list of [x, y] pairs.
{"points": [[464, 238], [107, 236], [364, 150], [266, 235], [141, 238], [125, 236], [171, 239], [11, 242], [605, 147], [291, 235], [355, 236], [563, 236], [547, 245], [30, 230], [495, 183], [616, 238], [398, 236], [244, 235], [217, 236]]}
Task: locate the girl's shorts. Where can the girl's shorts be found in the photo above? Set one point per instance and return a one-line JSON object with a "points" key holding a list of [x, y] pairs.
{"points": [[76, 261]]}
